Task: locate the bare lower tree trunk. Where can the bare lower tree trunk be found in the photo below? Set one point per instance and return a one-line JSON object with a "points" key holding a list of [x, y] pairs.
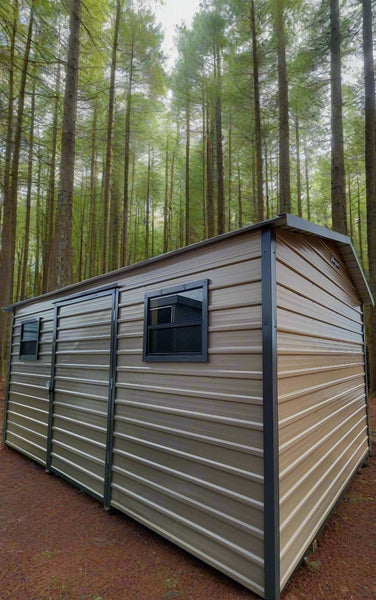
{"points": [[257, 117], [338, 182], [63, 226], [283, 102], [109, 136]]}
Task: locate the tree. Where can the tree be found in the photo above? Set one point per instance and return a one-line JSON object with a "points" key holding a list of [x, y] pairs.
{"points": [[61, 267], [283, 107], [370, 164], [338, 181]]}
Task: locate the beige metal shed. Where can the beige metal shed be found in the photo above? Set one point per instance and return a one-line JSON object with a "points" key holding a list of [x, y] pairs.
{"points": [[216, 394]]}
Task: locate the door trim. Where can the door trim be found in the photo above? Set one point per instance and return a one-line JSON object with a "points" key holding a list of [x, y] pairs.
{"points": [[112, 291]]}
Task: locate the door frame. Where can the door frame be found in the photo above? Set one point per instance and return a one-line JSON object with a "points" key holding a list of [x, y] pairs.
{"points": [[108, 290]]}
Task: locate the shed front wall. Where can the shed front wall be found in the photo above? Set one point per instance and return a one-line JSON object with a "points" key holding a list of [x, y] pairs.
{"points": [[188, 437], [321, 388]]}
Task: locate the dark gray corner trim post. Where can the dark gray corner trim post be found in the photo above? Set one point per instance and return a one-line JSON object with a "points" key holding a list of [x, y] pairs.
{"points": [[365, 353], [51, 390], [111, 400], [270, 414], [7, 385]]}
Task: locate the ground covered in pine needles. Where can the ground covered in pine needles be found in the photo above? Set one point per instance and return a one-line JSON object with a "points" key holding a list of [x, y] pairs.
{"points": [[57, 543]]}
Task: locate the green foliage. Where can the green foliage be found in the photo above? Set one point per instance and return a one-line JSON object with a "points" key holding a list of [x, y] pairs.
{"points": [[214, 65]]}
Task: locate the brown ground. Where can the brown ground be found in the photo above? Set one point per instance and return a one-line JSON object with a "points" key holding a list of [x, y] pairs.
{"points": [[57, 543]]}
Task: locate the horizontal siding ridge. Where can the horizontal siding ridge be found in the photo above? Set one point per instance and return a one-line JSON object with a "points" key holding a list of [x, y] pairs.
{"points": [[320, 423], [14, 395], [251, 502], [23, 450], [191, 525], [309, 472], [315, 388], [81, 394], [205, 508], [81, 352], [284, 329], [75, 466], [318, 405], [31, 419], [191, 435], [223, 373], [206, 558], [310, 370], [81, 453], [80, 325], [192, 457], [77, 422], [82, 380], [320, 499], [26, 429], [79, 437], [13, 403], [87, 338], [193, 414], [82, 409], [320, 442]]}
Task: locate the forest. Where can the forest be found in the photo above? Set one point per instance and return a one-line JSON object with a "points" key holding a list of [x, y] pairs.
{"points": [[109, 155]]}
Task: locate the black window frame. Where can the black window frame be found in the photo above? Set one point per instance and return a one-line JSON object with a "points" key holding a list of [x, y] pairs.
{"points": [[22, 355], [201, 356]]}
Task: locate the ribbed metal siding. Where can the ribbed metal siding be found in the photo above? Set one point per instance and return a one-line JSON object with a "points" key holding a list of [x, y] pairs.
{"points": [[188, 445], [321, 388], [81, 392], [27, 414]]}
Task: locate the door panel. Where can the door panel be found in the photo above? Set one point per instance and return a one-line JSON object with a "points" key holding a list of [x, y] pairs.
{"points": [[81, 391]]}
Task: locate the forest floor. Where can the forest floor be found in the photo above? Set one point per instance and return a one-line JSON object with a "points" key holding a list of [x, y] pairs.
{"points": [[57, 543]]}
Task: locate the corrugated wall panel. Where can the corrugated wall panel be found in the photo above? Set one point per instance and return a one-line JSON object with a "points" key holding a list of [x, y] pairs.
{"points": [[188, 440], [81, 391], [321, 388], [28, 401]]}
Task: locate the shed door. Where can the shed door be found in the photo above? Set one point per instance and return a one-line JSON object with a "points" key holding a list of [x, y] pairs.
{"points": [[81, 415]]}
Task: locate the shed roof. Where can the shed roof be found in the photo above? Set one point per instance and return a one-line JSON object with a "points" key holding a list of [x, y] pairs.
{"points": [[285, 221]]}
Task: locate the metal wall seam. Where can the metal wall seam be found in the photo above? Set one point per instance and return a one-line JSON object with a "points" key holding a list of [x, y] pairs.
{"points": [[7, 385], [51, 389], [111, 400], [365, 355], [270, 415]]}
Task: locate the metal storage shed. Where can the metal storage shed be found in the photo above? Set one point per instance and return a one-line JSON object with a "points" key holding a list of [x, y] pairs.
{"points": [[217, 394]]}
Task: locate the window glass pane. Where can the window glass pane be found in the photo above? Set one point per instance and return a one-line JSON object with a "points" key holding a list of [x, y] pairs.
{"points": [[29, 340], [176, 340], [161, 315]]}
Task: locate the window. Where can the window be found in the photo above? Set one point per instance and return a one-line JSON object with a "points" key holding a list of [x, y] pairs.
{"points": [[176, 324], [29, 341]]}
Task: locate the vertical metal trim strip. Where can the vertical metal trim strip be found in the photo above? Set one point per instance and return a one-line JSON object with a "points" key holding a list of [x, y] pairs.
{"points": [[270, 415], [51, 390], [7, 386], [365, 355], [111, 400]]}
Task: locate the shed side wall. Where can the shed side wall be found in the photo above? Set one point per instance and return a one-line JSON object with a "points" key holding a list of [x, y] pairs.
{"points": [[321, 387], [28, 399], [188, 440]]}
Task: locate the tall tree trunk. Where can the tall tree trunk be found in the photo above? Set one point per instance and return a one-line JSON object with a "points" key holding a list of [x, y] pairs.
{"points": [[8, 242], [187, 169], [359, 220], [370, 157], [37, 289], [25, 255], [109, 137], [298, 174], [127, 138], [219, 147], [93, 195], [240, 199], [165, 198], [210, 175], [61, 275], [338, 182], [283, 103], [306, 173], [257, 118], [147, 206], [49, 241]]}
